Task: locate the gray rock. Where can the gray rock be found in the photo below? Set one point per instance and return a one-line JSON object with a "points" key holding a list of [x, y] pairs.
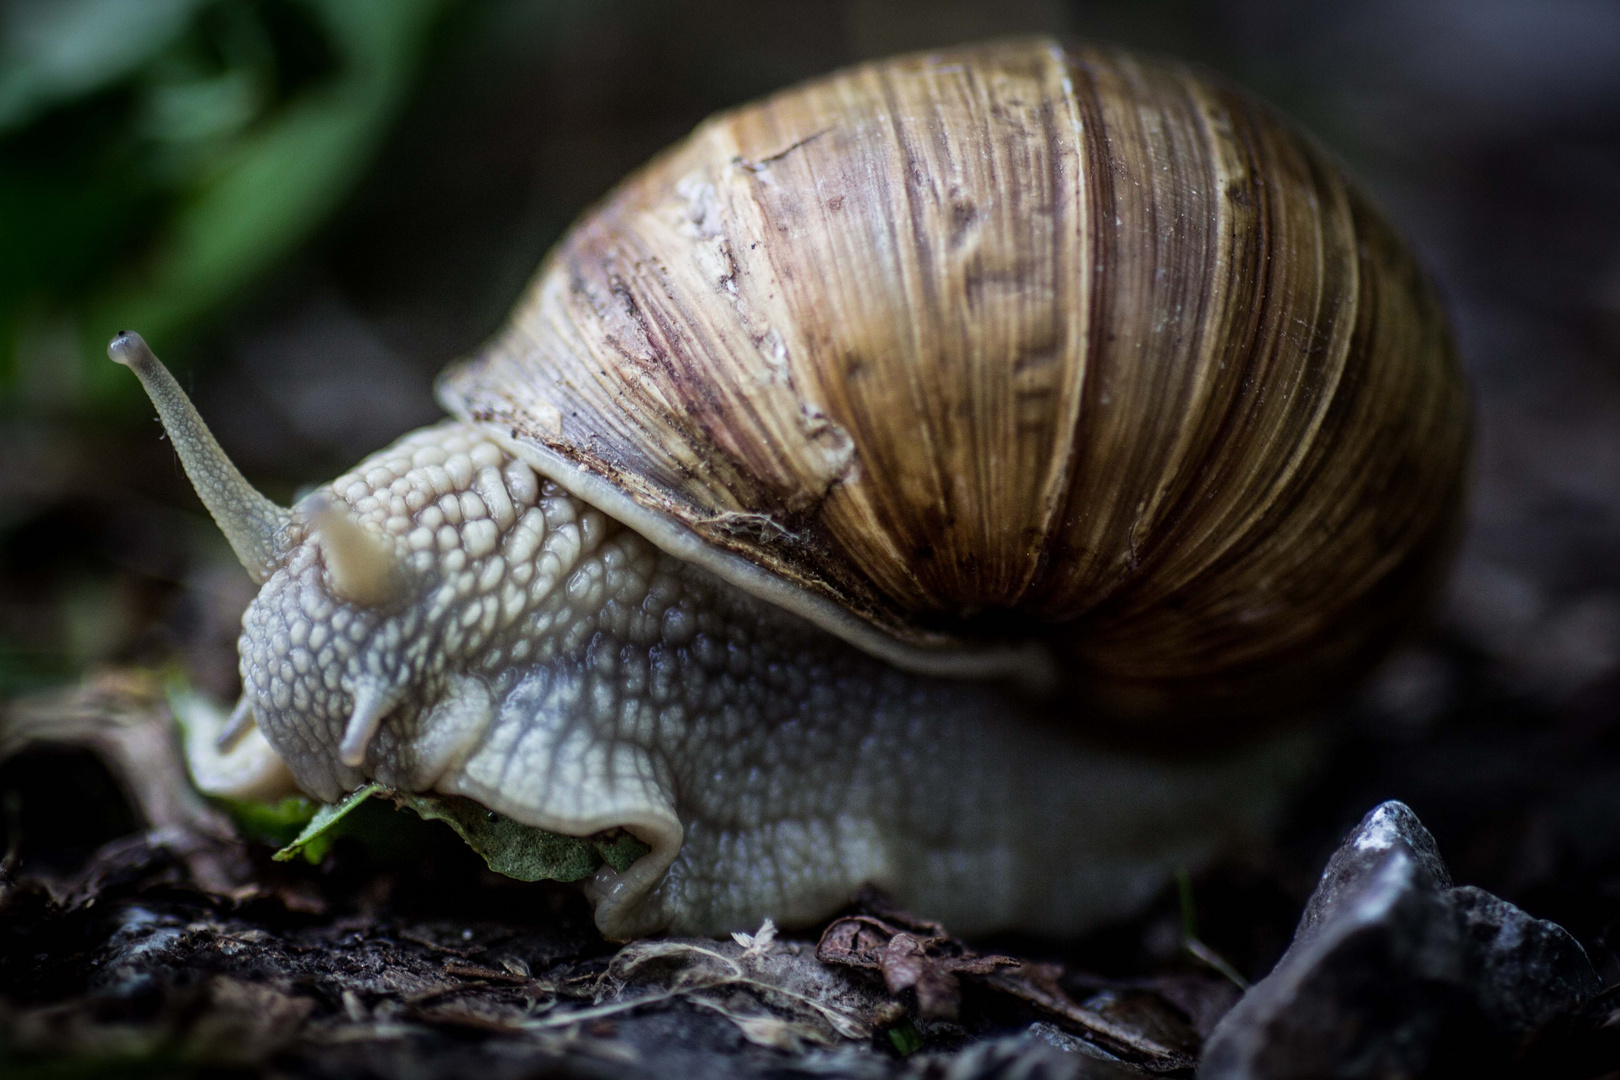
{"points": [[1526, 970], [1395, 973]]}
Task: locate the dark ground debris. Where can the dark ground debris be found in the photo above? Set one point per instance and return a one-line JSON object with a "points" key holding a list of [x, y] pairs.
{"points": [[128, 965]]}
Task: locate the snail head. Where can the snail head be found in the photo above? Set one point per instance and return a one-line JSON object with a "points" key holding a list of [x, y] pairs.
{"points": [[391, 599]]}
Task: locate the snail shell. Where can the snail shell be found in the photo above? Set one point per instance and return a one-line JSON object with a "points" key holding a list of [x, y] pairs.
{"points": [[1012, 342]]}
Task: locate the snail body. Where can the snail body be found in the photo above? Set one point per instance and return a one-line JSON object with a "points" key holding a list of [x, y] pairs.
{"points": [[852, 459]]}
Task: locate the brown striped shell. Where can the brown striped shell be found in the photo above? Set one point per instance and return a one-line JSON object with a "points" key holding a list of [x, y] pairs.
{"points": [[1014, 344]]}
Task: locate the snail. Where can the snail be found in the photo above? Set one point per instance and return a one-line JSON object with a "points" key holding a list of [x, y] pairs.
{"points": [[849, 480]]}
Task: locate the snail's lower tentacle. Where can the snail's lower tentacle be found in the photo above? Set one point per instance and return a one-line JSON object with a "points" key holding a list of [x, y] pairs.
{"points": [[227, 755]]}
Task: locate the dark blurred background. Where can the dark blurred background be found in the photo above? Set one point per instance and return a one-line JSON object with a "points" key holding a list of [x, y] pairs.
{"points": [[308, 206]]}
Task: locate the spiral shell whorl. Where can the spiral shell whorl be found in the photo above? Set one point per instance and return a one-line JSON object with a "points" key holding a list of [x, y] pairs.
{"points": [[986, 340]]}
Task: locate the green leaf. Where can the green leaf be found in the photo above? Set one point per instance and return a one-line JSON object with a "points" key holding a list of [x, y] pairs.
{"points": [[506, 846], [314, 841], [619, 851], [278, 823], [521, 851]]}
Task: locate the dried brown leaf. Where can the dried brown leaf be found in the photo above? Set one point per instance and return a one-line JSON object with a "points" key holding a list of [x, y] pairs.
{"points": [[921, 958]]}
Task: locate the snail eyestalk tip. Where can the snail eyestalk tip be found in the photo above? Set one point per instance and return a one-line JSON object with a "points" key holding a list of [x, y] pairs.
{"points": [[251, 522], [360, 566], [371, 704], [129, 348]]}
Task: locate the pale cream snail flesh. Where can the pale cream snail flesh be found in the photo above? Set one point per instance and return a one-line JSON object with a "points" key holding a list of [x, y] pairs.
{"points": [[850, 472]]}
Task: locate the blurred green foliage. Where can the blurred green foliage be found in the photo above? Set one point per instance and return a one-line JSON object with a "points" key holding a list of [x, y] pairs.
{"points": [[156, 155]]}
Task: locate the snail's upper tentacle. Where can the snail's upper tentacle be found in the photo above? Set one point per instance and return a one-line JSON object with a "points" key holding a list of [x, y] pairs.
{"points": [[252, 523]]}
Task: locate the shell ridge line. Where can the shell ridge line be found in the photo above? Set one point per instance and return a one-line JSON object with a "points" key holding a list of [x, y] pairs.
{"points": [[1336, 352], [1245, 410], [1274, 502], [988, 331], [726, 399], [922, 302], [1016, 438], [1071, 540], [538, 360], [869, 499], [1178, 396], [1237, 416], [814, 448], [1155, 137], [1073, 270], [1179, 490], [976, 328], [866, 526], [958, 94], [760, 164], [669, 335], [987, 469], [1141, 386], [823, 409], [1117, 283], [699, 348], [1300, 473]]}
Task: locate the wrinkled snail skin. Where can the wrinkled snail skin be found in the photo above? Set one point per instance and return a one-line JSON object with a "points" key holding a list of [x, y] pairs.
{"points": [[1071, 345], [559, 669]]}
